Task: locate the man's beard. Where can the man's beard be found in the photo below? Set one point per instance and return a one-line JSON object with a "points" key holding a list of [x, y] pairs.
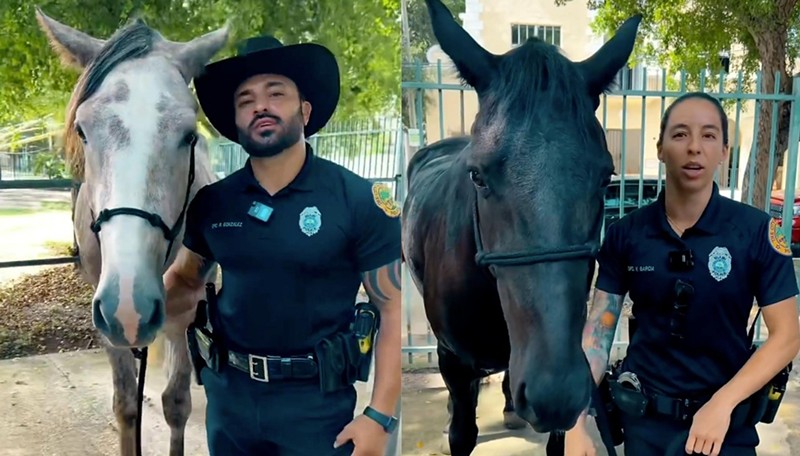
{"points": [[272, 142]]}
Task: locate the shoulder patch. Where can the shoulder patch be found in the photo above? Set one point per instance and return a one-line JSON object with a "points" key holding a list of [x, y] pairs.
{"points": [[382, 195], [777, 239]]}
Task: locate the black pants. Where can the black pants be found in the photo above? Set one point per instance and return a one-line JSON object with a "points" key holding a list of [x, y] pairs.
{"points": [[245, 417], [653, 436]]}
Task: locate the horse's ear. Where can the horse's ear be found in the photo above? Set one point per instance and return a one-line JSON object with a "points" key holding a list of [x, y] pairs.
{"points": [[475, 64], [76, 48], [192, 56], [600, 69]]}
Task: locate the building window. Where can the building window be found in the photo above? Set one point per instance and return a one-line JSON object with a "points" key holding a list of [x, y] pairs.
{"points": [[548, 33]]}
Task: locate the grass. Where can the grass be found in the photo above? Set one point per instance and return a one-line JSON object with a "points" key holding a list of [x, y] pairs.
{"points": [[59, 248], [44, 206]]}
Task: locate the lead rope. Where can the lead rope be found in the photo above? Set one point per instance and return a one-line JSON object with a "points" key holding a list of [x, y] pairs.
{"points": [[141, 355]]}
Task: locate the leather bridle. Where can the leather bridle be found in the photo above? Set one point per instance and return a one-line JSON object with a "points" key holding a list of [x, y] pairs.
{"points": [[587, 250], [170, 234]]}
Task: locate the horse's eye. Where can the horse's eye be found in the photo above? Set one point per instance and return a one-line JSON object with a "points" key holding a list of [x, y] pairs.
{"points": [[80, 133], [476, 179]]}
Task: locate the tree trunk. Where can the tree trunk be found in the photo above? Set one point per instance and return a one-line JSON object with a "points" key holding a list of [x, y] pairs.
{"points": [[772, 52]]}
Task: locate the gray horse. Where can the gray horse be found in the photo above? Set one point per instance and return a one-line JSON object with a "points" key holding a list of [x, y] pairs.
{"points": [[131, 139]]}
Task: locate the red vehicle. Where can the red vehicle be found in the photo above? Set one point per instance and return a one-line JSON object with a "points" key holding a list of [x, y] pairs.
{"points": [[776, 210]]}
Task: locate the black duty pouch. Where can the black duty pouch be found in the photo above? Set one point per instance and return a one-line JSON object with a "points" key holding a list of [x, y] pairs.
{"points": [[612, 412], [628, 396], [337, 362]]}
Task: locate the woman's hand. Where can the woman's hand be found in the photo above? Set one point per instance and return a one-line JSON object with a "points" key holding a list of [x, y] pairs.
{"points": [[709, 426], [577, 441]]}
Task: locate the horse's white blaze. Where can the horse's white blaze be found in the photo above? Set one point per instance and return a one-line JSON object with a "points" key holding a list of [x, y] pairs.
{"points": [[126, 311], [129, 168], [132, 248]]}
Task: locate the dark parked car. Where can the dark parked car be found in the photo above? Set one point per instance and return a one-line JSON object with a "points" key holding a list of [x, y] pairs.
{"points": [[630, 197]]}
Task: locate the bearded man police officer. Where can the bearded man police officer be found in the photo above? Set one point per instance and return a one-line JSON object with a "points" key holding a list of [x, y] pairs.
{"points": [[295, 235]]}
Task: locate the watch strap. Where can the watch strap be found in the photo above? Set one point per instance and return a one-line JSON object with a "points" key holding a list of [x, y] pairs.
{"points": [[387, 422]]}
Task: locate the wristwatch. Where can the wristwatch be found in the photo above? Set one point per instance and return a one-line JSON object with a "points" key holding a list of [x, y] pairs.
{"points": [[389, 423]]}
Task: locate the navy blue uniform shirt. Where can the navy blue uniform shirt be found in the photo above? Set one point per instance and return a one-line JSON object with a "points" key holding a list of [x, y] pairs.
{"points": [[292, 280], [739, 255]]}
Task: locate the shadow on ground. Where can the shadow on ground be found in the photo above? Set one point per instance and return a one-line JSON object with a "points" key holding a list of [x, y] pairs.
{"points": [[425, 414]]}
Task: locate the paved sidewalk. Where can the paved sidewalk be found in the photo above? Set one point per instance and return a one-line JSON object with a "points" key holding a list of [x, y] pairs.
{"points": [[425, 415], [60, 405]]}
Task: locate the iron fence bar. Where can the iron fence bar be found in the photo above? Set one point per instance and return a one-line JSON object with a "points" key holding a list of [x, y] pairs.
{"points": [[39, 262], [35, 184]]}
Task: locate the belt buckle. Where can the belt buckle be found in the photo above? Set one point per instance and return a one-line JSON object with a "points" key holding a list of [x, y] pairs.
{"points": [[255, 361]]}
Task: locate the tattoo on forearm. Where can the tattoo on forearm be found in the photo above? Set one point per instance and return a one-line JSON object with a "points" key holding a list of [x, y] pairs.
{"points": [[598, 335], [382, 284]]}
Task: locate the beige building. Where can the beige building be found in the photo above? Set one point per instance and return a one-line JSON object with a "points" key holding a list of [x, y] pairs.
{"points": [[499, 25]]}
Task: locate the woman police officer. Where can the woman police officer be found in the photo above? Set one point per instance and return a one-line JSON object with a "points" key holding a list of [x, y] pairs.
{"points": [[693, 262]]}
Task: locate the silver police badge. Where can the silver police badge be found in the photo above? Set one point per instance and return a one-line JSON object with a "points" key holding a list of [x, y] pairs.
{"points": [[310, 221], [719, 263]]}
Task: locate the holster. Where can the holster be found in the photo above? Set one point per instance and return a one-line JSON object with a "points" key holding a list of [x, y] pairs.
{"points": [[629, 400], [764, 404], [194, 349], [345, 358], [366, 322], [611, 413], [202, 327]]}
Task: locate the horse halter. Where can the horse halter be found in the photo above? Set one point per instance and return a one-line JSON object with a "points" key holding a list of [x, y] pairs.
{"points": [[154, 219], [571, 252]]}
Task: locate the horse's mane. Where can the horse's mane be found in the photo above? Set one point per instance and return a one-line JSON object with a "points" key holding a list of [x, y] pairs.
{"points": [[447, 146], [535, 79], [132, 41]]}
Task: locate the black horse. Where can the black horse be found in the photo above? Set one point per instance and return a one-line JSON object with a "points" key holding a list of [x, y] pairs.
{"points": [[500, 229]]}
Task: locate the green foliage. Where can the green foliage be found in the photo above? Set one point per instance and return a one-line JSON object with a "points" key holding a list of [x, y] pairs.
{"points": [[690, 36], [420, 34], [364, 36], [50, 164]]}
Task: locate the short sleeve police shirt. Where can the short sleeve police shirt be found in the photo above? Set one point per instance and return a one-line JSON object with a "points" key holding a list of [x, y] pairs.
{"points": [[738, 255], [292, 280]]}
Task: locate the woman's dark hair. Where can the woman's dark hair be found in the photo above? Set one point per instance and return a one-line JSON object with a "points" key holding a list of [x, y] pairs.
{"points": [[723, 118]]}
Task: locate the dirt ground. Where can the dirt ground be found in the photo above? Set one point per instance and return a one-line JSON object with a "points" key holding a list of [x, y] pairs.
{"points": [[43, 309]]}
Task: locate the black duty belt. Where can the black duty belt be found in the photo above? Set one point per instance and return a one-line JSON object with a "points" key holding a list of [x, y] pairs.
{"points": [[684, 409], [681, 409], [265, 368]]}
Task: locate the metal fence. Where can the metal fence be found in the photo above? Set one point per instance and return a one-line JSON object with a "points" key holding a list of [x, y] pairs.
{"points": [[438, 106], [371, 148]]}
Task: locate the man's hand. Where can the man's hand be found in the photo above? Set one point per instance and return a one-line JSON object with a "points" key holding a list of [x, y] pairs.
{"points": [[184, 282], [368, 437], [709, 426]]}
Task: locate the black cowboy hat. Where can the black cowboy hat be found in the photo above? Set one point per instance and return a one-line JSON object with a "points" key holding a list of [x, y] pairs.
{"points": [[312, 67]]}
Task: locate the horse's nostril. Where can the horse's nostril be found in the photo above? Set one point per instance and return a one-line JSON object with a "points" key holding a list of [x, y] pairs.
{"points": [[98, 318], [521, 401], [158, 313]]}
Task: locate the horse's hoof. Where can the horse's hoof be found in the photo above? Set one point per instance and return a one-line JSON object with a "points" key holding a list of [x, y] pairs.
{"points": [[444, 443], [512, 421]]}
